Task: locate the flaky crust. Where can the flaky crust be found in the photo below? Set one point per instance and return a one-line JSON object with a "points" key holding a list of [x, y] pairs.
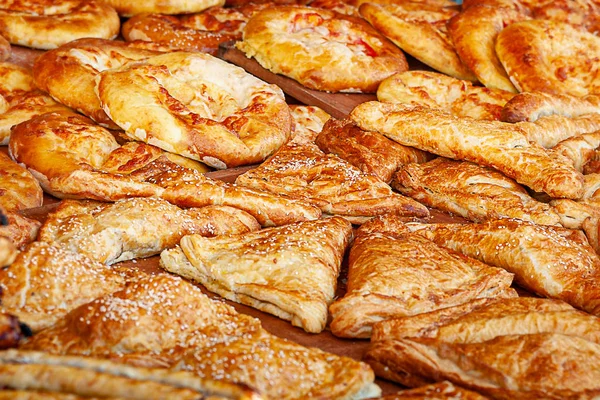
{"points": [[47, 24], [553, 262], [290, 271], [550, 57], [19, 190], [136, 227], [474, 192], [45, 282], [198, 106], [549, 130], [489, 143], [68, 72], [127, 8], [15, 80], [308, 122], [436, 391], [473, 32], [20, 231], [551, 366], [371, 152], [495, 317], [304, 172], [45, 376], [230, 21], [529, 106], [434, 90], [580, 149], [393, 275], [321, 49], [169, 32], [403, 21]]}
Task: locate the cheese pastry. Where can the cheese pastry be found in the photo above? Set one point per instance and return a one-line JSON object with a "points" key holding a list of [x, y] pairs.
{"points": [[308, 122], [394, 274], [551, 261], [304, 172], [371, 152], [489, 143], [45, 282], [474, 192], [434, 90], [290, 271], [136, 227]]}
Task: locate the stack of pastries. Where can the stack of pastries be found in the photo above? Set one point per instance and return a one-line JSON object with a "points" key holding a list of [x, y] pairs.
{"points": [[155, 199]]}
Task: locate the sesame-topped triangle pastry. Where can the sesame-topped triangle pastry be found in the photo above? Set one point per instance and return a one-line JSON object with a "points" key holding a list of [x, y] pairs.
{"points": [[396, 273], [290, 271], [304, 172]]}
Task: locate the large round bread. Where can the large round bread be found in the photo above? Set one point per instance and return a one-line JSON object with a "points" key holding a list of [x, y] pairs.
{"points": [[68, 73], [198, 106], [551, 57], [127, 8], [47, 24], [321, 49]]}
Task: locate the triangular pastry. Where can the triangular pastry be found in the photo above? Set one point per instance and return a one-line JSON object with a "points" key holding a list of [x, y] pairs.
{"points": [[395, 273], [304, 172], [551, 261], [474, 192], [290, 271], [489, 143], [136, 227]]}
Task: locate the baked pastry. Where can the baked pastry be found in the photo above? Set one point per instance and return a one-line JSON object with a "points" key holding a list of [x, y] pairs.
{"points": [[580, 149], [308, 122], [568, 66], [45, 282], [5, 50], [136, 227], [489, 143], [68, 73], [321, 49], [19, 230], [551, 261], [47, 24], [169, 32], [472, 191], [37, 375], [548, 131], [230, 21], [302, 171], [127, 8], [529, 106], [18, 188], [539, 366], [493, 318], [289, 271], [395, 273], [281, 369], [371, 152], [403, 21], [15, 80], [12, 331], [474, 31], [444, 390], [580, 13], [198, 106], [340, 6], [434, 90]]}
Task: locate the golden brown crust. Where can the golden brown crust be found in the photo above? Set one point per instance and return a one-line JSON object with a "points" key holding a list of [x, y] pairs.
{"points": [[549, 130], [474, 192], [128, 8], [321, 49], [15, 80], [529, 106], [308, 122], [45, 282], [304, 172], [402, 21], [473, 32], [436, 391], [371, 152], [489, 143], [136, 227], [553, 262], [580, 149], [398, 275], [550, 57], [20, 231], [290, 271], [198, 106], [230, 21], [168, 32], [18, 188], [434, 90], [68, 73], [5, 50], [47, 24]]}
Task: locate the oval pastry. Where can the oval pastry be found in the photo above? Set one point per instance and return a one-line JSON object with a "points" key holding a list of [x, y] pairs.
{"points": [[197, 106], [127, 8], [47, 24], [321, 49]]}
